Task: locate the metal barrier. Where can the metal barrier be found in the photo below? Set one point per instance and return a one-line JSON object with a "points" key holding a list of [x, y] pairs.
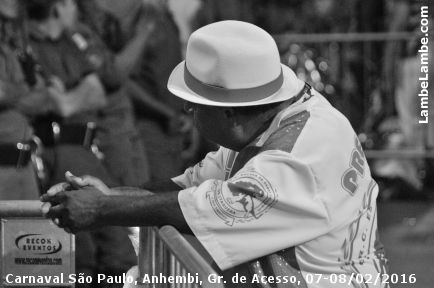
{"points": [[21, 208], [165, 252], [34, 251], [34, 247]]}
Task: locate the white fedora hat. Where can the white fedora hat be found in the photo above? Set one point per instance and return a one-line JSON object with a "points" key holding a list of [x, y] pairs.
{"points": [[233, 63]]}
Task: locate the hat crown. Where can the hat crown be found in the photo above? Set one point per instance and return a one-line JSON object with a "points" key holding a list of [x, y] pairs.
{"points": [[233, 55]]}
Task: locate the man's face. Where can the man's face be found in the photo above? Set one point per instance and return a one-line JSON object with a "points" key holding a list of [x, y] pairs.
{"points": [[9, 8], [212, 123], [67, 10]]}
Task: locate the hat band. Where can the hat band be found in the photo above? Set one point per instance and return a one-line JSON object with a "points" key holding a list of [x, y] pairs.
{"points": [[224, 95]]}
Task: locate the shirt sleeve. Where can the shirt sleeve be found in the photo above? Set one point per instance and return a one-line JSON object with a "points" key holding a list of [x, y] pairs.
{"points": [[213, 166], [269, 205]]}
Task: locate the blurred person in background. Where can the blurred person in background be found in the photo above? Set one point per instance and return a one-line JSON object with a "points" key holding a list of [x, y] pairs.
{"points": [[72, 81], [18, 180], [80, 81], [120, 142], [401, 72], [122, 151], [163, 126]]}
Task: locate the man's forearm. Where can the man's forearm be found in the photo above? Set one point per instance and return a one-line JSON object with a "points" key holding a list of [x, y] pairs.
{"points": [[147, 189], [129, 191], [154, 210], [165, 185], [86, 203]]}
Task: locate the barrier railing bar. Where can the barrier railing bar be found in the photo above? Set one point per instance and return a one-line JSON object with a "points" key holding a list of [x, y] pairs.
{"points": [[146, 257], [344, 37], [187, 255], [399, 154], [172, 267], [162, 258], [21, 208]]}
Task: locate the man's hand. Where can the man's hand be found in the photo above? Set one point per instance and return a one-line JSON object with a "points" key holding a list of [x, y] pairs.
{"points": [[74, 210], [79, 204], [63, 199], [86, 180]]}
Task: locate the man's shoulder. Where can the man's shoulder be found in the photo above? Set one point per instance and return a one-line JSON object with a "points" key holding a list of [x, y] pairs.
{"points": [[288, 132], [318, 124]]}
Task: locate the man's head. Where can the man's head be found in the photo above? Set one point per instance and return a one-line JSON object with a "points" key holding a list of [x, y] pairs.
{"points": [[58, 12], [233, 127], [229, 67], [9, 8]]}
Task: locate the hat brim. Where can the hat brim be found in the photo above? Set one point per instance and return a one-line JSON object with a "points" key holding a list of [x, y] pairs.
{"points": [[290, 88]]}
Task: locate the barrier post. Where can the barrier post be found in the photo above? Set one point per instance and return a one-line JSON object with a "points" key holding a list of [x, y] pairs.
{"points": [[35, 252], [147, 257]]}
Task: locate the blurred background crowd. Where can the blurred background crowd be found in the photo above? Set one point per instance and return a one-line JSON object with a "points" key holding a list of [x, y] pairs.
{"points": [[83, 88]]}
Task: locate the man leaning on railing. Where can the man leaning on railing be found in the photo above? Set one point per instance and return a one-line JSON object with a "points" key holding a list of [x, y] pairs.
{"points": [[289, 192]]}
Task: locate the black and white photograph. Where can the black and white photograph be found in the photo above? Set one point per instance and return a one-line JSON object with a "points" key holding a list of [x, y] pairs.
{"points": [[217, 143]]}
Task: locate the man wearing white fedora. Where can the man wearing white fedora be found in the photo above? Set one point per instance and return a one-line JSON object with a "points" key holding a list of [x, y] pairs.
{"points": [[290, 186]]}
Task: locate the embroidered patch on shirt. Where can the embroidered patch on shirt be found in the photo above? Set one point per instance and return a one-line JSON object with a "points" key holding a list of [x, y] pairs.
{"points": [[247, 196]]}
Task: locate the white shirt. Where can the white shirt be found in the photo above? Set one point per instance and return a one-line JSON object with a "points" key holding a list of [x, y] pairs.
{"points": [[315, 194]]}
